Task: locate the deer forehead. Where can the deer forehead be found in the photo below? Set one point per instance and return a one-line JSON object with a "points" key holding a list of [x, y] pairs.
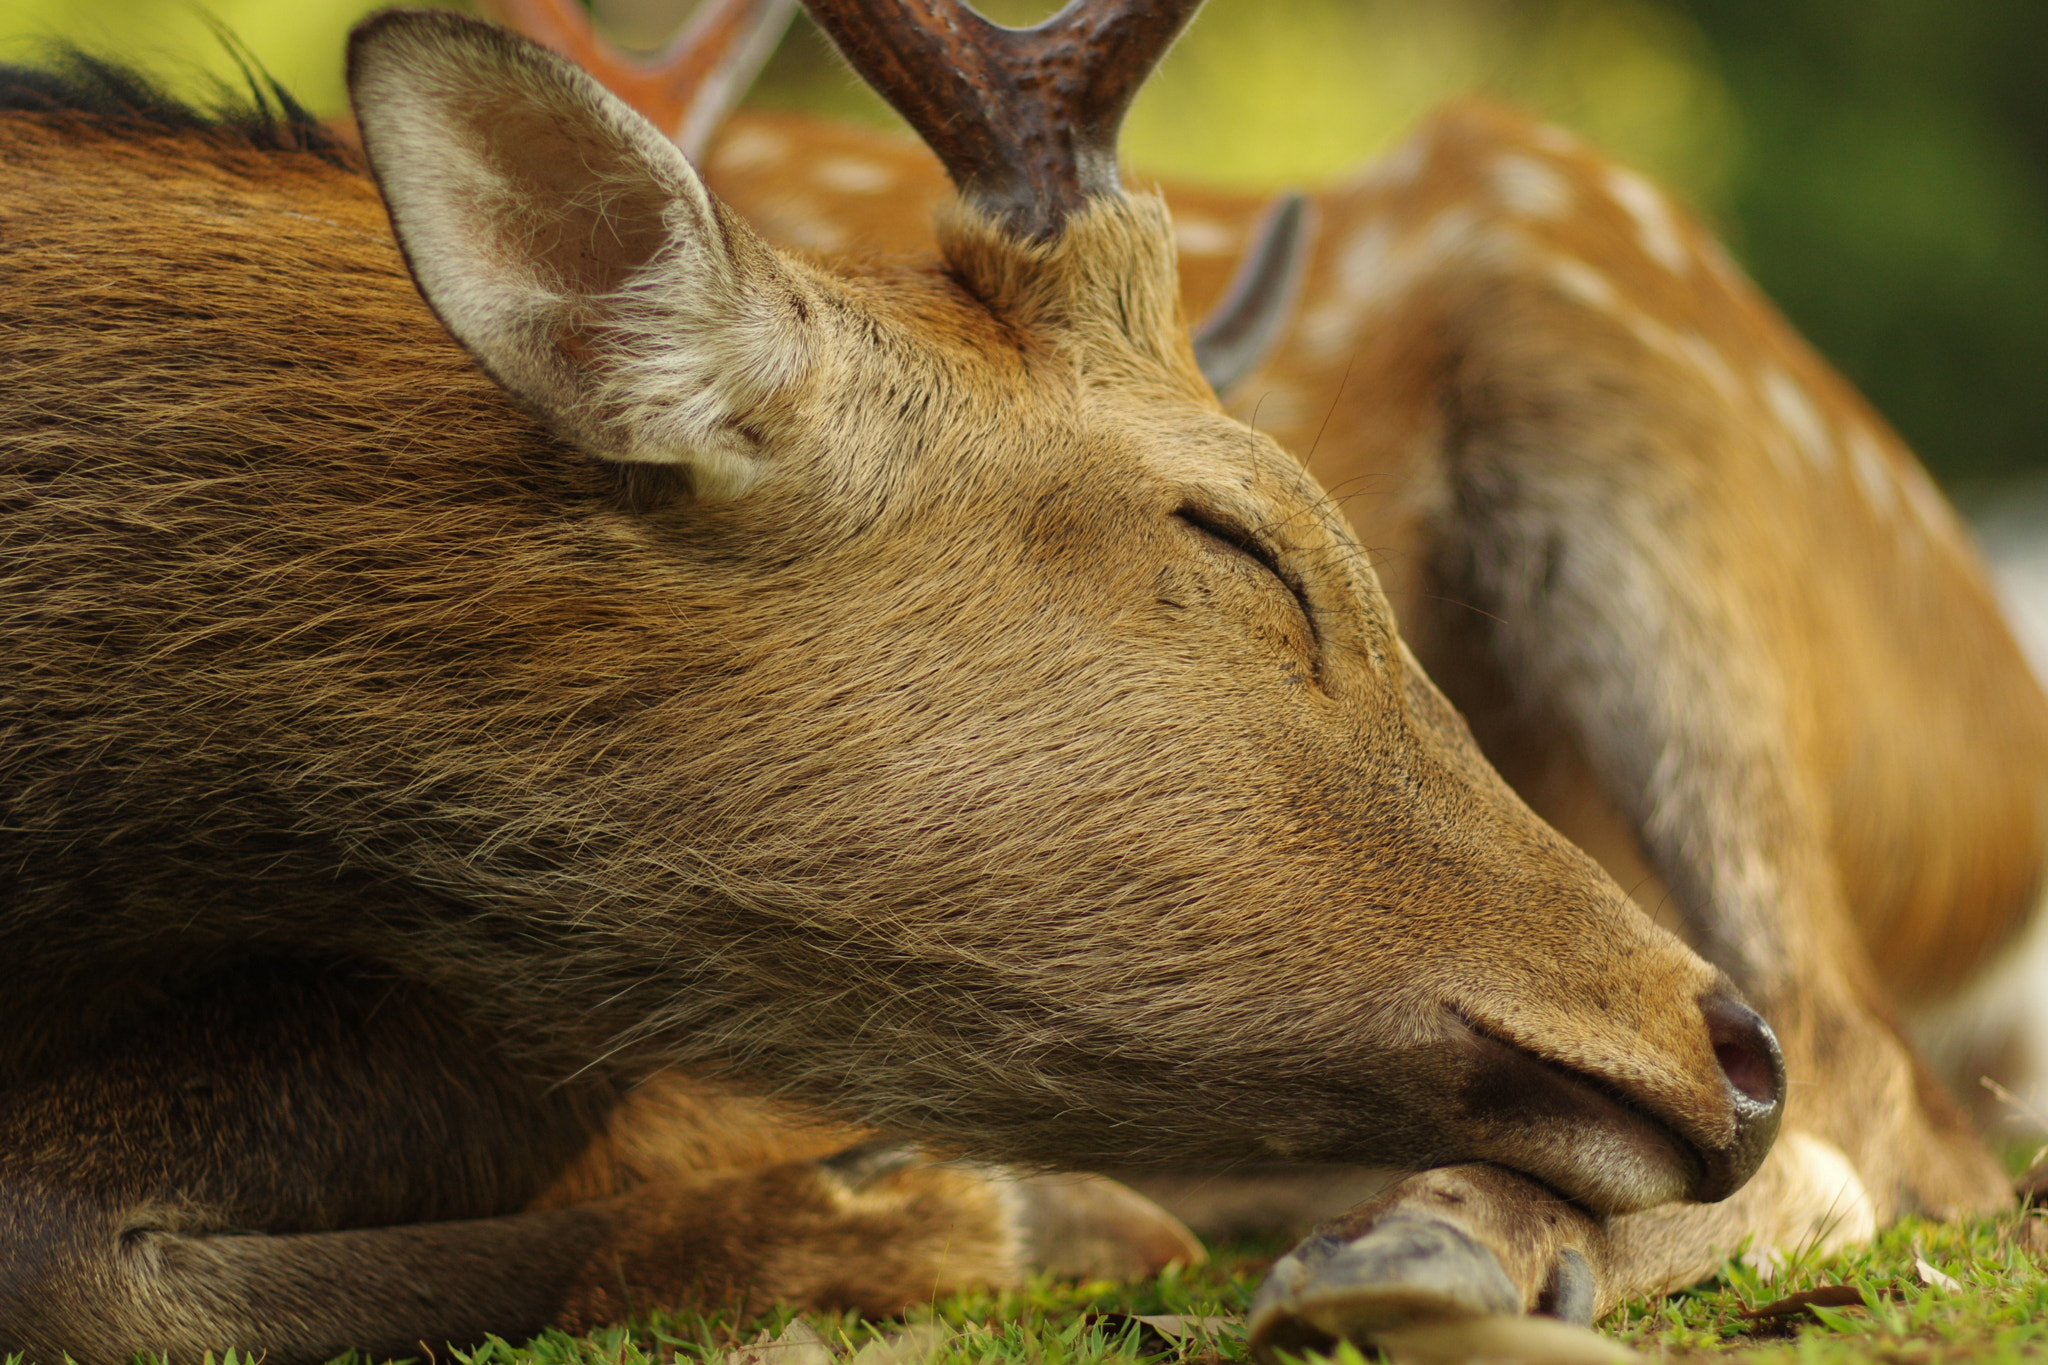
{"points": [[1226, 465], [919, 360], [979, 371]]}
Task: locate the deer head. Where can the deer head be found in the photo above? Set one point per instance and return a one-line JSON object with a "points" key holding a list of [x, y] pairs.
{"points": [[1024, 756]]}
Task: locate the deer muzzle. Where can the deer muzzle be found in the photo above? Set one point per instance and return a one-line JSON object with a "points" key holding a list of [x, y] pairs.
{"points": [[1618, 1147]]}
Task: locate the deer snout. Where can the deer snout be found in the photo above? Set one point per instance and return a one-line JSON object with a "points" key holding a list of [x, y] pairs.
{"points": [[1754, 1069], [1618, 1142]]}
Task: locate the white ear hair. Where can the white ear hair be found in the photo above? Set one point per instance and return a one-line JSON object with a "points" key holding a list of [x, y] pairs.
{"points": [[570, 247]]}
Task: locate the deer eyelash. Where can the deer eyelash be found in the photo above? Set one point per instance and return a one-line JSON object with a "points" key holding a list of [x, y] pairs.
{"points": [[1244, 541]]}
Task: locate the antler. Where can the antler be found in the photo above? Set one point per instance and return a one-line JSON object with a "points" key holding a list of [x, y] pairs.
{"points": [[1024, 120], [1242, 330], [690, 87]]}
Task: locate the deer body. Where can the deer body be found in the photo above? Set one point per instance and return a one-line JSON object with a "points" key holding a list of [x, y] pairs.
{"points": [[585, 681], [899, 686], [1352, 388], [1496, 272], [895, 683], [1704, 611]]}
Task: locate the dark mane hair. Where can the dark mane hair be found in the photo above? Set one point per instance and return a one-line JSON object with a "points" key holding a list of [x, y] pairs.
{"points": [[117, 97]]}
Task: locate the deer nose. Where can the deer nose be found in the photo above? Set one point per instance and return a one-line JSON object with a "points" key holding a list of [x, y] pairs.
{"points": [[1754, 1070]]}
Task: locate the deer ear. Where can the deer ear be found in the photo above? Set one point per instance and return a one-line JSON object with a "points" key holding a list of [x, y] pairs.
{"points": [[570, 247]]}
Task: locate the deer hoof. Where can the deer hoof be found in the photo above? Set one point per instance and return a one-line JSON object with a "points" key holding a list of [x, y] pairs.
{"points": [[860, 1166], [1571, 1293], [1089, 1227], [1407, 1270]]}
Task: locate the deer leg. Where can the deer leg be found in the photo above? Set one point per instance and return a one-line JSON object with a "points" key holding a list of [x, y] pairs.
{"points": [[674, 1127], [1646, 667], [1449, 1244], [286, 1159], [1470, 1241], [874, 1229], [299, 1162]]}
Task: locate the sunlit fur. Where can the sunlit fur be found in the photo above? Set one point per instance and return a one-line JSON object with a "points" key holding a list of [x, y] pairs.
{"points": [[1773, 694], [938, 773], [948, 719]]}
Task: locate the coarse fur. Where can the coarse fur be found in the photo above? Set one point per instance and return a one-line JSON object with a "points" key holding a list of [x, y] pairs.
{"points": [[441, 573], [75, 86], [1703, 608], [982, 737]]}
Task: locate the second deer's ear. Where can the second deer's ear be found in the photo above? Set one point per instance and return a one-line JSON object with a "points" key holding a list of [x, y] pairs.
{"points": [[570, 247]]}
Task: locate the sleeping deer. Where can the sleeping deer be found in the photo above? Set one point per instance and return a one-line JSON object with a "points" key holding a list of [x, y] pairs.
{"points": [[1702, 608], [458, 757]]}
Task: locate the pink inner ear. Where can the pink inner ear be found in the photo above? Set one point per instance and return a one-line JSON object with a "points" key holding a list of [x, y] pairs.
{"points": [[582, 207]]}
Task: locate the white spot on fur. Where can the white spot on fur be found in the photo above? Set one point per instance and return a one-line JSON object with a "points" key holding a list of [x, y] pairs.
{"points": [[1577, 280], [1706, 357], [1719, 262], [1402, 166], [1930, 508], [1530, 187], [1552, 138], [1655, 336], [1331, 327], [1439, 239], [1796, 413], [1656, 228], [853, 175], [799, 222], [1873, 472], [747, 148], [1203, 236], [1377, 267], [1366, 259]]}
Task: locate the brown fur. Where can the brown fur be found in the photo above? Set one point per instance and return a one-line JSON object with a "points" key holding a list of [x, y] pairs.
{"points": [[1762, 678], [1016, 753], [1943, 850]]}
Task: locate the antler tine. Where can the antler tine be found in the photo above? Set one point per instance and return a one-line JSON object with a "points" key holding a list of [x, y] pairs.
{"points": [[690, 87], [1242, 330], [726, 44], [1024, 120]]}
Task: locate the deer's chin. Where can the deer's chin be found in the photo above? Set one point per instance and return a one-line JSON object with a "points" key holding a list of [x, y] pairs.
{"points": [[1579, 1135]]}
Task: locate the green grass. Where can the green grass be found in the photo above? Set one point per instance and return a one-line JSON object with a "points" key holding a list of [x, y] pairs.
{"points": [[1997, 1311]]}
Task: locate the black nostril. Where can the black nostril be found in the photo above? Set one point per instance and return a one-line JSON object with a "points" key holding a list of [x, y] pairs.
{"points": [[1754, 1070], [1746, 1049]]}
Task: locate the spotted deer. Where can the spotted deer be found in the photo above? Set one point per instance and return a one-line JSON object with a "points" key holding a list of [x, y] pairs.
{"points": [[1703, 610]]}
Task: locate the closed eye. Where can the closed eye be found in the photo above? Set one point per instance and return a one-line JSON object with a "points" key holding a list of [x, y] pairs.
{"points": [[1241, 540]]}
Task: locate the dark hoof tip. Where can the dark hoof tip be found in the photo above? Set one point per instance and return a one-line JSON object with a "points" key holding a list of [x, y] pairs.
{"points": [[1406, 1270], [860, 1166], [1570, 1294]]}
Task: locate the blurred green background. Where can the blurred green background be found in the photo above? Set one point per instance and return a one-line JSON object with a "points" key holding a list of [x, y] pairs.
{"points": [[1880, 166]]}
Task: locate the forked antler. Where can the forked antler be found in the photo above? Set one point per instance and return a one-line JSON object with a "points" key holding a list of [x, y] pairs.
{"points": [[1024, 120], [689, 88]]}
